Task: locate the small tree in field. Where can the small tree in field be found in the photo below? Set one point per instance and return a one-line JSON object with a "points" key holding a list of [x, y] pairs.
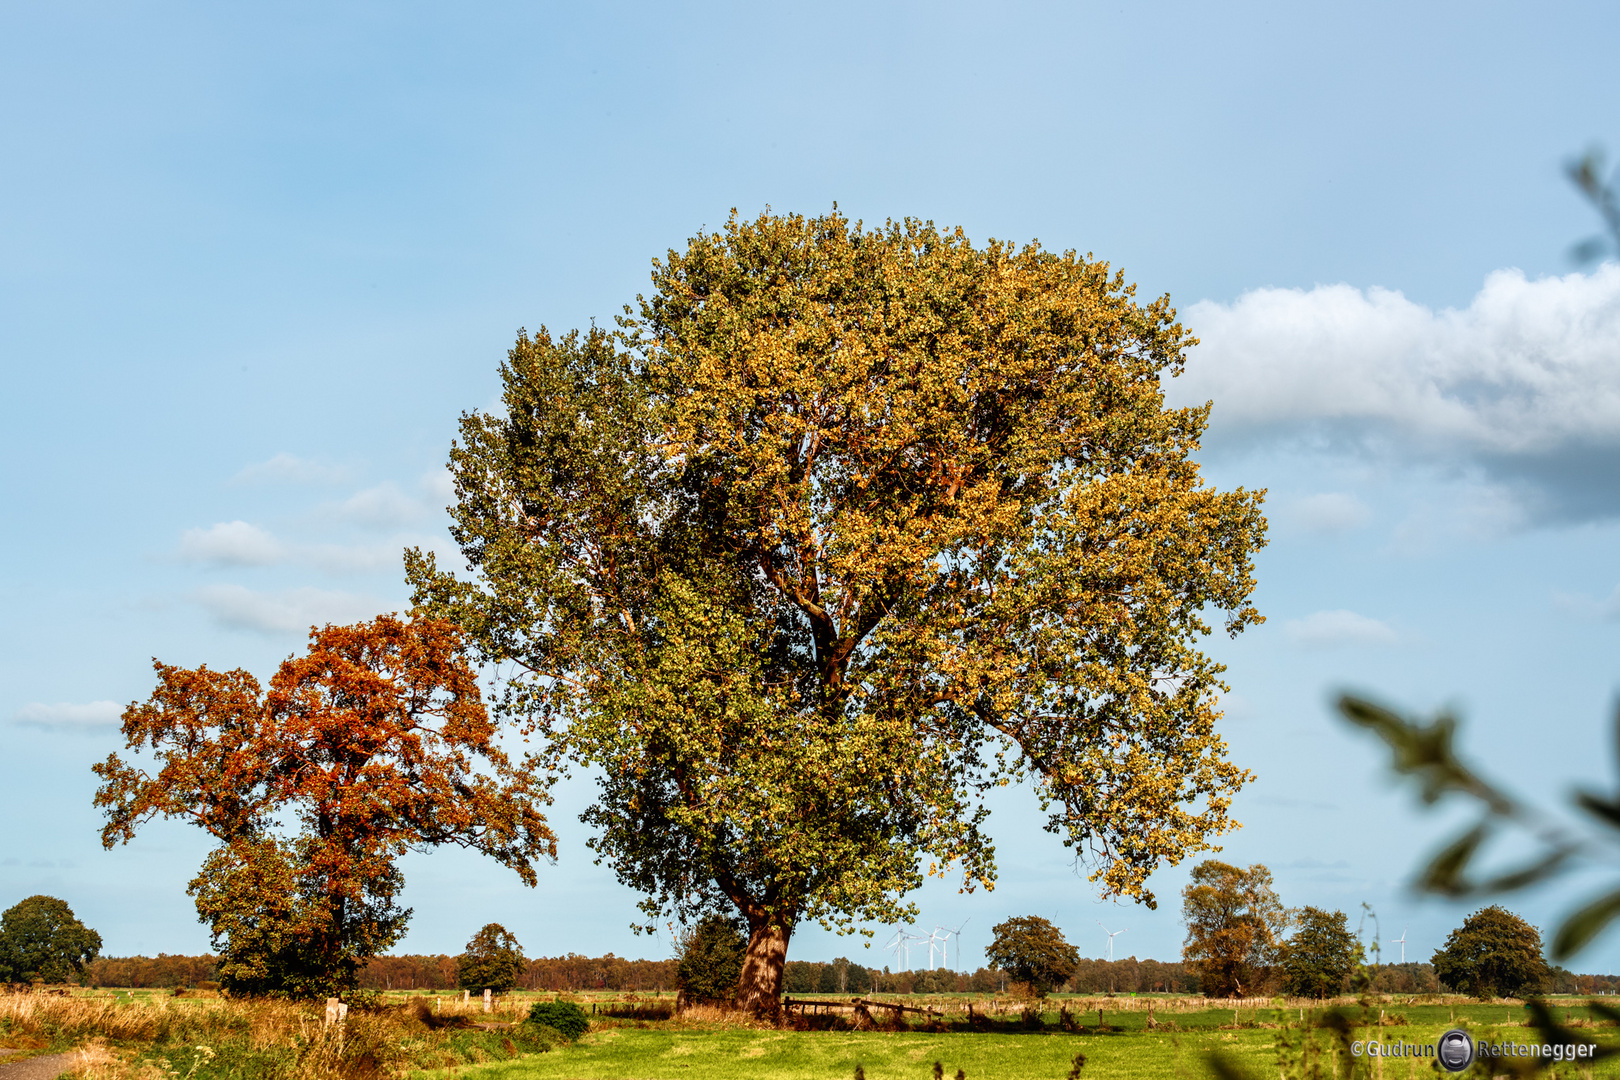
{"points": [[711, 960], [1320, 956], [1032, 950], [1494, 952], [373, 743], [42, 941], [843, 529], [493, 960], [1235, 923]]}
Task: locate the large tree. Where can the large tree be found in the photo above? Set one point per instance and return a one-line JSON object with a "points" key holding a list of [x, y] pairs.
{"points": [[1318, 959], [375, 742], [41, 940], [842, 528], [493, 960], [1033, 951], [1493, 952], [1235, 923]]}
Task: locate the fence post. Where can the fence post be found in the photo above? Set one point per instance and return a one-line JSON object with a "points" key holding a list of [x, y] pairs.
{"points": [[486, 999], [332, 1004]]}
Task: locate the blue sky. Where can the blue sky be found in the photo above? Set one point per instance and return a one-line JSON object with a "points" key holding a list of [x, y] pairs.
{"points": [[253, 265]]}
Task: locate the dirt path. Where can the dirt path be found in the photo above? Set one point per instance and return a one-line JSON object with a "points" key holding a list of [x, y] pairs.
{"points": [[48, 1067]]}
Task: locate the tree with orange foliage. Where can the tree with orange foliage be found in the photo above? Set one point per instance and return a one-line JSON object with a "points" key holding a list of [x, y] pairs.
{"points": [[374, 743], [1235, 924]]}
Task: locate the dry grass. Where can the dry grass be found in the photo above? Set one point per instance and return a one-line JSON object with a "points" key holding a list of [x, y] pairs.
{"points": [[718, 1014], [191, 1038], [95, 1060]]}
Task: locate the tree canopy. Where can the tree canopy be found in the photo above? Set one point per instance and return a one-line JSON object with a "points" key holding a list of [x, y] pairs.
{"points": [[493, 960], [1235, 923], [1494, 952], [1319, 958], [841, 529], [1032, 950], [375, 742], [42, 941]]}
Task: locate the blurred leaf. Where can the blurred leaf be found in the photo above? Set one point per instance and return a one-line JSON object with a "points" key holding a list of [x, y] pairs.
{"points": [[1617, 709], [1607, 1012], [1543, 1020], [1544, 867], [1599, 807], [1586, 172], [1444, 873], [1589, 250], [1585, 925], [1424, 751], [1226, 1067]]}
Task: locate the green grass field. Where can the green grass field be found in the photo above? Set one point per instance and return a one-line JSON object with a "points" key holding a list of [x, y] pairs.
{"points": [[679, 1051]]}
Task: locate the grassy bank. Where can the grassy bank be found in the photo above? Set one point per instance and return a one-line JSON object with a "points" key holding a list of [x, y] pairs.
{"points": [[117, 1036]]}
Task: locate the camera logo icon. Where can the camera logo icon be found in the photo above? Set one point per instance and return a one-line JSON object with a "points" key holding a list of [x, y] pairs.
{"points": [[1456, 1050]]}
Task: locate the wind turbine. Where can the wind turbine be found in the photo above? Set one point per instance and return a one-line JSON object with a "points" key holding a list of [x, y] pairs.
{"points": [[1111, 935], [901, 944], [945, 944], [1401, 941], [897, 943]]}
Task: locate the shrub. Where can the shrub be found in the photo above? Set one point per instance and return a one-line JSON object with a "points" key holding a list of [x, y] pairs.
{"points": [[565, 1017], [712, 955]]}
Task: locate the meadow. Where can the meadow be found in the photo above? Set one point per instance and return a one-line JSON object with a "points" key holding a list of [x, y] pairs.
{"points": [[1172, 1042], [156, 1035]]}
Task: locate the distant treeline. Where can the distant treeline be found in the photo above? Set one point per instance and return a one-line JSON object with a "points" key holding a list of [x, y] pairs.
{"points": [[571, 972], [842, 976], [1093, 976], [144, 972]]}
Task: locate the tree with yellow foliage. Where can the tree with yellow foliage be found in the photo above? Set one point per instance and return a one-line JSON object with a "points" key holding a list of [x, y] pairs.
{"points": [[841, 529]]}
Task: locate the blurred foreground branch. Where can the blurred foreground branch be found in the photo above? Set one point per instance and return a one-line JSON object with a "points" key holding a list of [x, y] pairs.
{"points": [[1587, 173], [1425, 751]]}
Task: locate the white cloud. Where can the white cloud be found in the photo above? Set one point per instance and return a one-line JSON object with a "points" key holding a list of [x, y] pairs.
{"points": [[439, 484], [1588, 608], [1523, 383], [67, 716], [288, 611], [1326, 629], [285, 468], [237, 543], [1332, 512], [1527, 366], [231, 543], [353, 558], [382, 507]]}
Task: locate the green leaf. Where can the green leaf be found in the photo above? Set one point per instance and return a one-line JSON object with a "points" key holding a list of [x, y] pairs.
{"points": [[1581, 927], [1443, 875]]}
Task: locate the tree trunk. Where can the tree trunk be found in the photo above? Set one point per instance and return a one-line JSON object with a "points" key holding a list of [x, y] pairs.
{"points": [[759, 990]]}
